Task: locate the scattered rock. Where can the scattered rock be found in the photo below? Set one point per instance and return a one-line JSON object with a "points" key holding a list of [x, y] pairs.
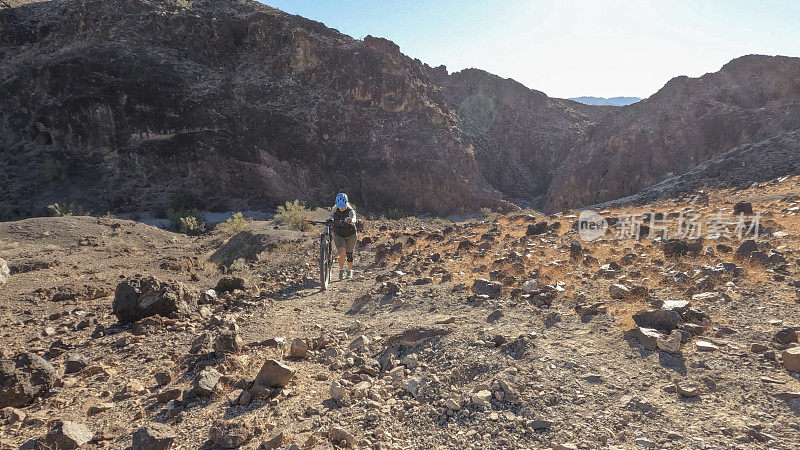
{"points": [[758, 347], [68, 435], [530, 286], [482, 398], [539, 424], [337, 391], [743, 207], [687, 389], [230, 284], [494, 316], [671, 344], [746, 248], [575, 251], [274, 374], [645, 443], [452, 404], [25, 378], [169, 394], [705, 346], [75, 363], [298, 348], [648, 337], [791, 359], [228, 343], [100, 408], [786, 336], [229, 433], [618, 291], [660, 319], [206, 381], [482, 286], [536, 229], [360, 344], [163, 377], [139, 297], [278, 440], [153, 436], [341, 436]]}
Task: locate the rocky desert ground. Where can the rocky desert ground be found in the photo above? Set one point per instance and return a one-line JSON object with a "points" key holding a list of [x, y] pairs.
{"points": [[506, 333]]}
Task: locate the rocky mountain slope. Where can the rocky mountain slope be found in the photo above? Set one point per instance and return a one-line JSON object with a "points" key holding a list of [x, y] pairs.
{"points": [[124, 105], [687, 122], [504, 334], [117, 104]]}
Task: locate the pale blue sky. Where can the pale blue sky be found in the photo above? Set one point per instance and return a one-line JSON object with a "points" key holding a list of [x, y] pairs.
{"points": [[569, 48]]}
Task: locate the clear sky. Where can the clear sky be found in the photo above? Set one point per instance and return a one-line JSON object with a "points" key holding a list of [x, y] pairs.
{"points": [[570, 48]]}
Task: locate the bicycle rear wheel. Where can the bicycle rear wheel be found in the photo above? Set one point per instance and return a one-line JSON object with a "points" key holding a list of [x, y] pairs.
{"points": [[324, 261]]}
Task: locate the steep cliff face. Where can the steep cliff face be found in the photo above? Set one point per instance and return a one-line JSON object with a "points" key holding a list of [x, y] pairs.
{"points": [[685, 123], [119, 104], [123, 104], [520, 136]]}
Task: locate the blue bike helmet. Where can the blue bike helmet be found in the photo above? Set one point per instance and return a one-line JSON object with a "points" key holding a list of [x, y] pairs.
{"points": [[341, 200]]}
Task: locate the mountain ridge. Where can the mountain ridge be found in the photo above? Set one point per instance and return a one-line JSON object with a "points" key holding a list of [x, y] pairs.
{"points": [[244, 106]]}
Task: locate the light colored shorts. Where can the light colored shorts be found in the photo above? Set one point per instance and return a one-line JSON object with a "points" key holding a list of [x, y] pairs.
{"points": [[349, 244]]}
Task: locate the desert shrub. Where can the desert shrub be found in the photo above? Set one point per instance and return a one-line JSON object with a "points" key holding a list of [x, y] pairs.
{"points": [[396, 214], [66, 209], [294, 215], [489, 215], [191, 225], [439, 222], [236, 224]]}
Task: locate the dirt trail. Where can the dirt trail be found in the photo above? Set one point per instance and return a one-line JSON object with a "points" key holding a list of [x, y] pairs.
{"points": [[409, 354]]}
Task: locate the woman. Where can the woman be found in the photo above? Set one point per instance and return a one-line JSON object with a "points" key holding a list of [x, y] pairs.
{"points": [[344, 233]]}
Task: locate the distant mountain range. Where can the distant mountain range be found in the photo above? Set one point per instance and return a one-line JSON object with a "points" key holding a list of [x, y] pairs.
{"points": [[613, 101]]}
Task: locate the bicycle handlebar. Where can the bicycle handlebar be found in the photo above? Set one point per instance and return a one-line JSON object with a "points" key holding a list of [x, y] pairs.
{"points": [[318, 222]]}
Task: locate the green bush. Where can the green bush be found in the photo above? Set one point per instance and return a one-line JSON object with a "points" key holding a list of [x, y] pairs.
{"points": [[439, 222], [396, 214], [236, 224], [294, 215], [191, 225], [489, 215], [66, 209]]}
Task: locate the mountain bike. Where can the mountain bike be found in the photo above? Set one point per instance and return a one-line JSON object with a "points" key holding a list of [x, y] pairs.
{"points": [[325, 253]]}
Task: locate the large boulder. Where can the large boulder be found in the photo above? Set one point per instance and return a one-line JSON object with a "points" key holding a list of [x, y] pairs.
{"points": [[140, 297], [791, 359], [746, 248], [482, 286], [536, 229], [743, 207], [25, 378], [274, 374], [5, 272], [659, 319], [68, 435]]}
